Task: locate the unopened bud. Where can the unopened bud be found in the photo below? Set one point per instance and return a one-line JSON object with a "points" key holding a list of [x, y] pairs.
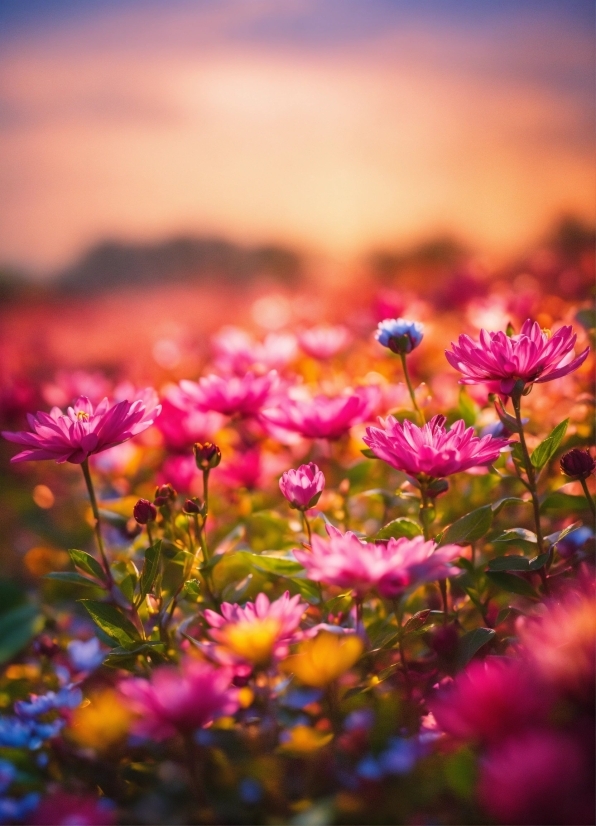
{"points": [[192, 506], [144, 511], [207, 455], [163, 495], [578, 464]]}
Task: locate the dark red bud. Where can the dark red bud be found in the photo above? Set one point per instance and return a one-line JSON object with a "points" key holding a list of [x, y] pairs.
{"points": [[193, 506], [163, 495], [578, 463], [207, 455], [144, 511]]}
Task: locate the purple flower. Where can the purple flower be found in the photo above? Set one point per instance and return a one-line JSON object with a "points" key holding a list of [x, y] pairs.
{"points": [[82, 431], [324, 417], [431, 450], [399, 335], [531, 356], [303, 487]]}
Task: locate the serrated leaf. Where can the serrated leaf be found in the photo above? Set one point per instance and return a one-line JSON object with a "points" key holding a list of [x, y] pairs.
{"points": [[112, 622], [87, 563], [17, 628], [547, 449], [398, 528], [512, 584], [471, 642], [509, 563], [150, 569], [469, 528], [72, 578]]}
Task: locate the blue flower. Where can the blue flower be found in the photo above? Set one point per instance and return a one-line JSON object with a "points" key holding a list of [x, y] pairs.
{"points": [[14, 811], [67, 697], [85, 655], [399, 335]]}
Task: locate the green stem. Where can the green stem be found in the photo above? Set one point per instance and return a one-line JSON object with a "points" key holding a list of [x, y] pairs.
{"points": [[402, 652], [149, 533], [307, 527], [410, 388], [584, 485], [97, 525]]}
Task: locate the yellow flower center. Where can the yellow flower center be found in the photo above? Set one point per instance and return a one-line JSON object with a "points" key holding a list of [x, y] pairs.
{"points": [[253, 640], [82, 416]]}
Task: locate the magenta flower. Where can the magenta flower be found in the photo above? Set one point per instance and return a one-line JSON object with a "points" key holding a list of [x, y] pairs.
{"points": [[489, 701], [323, 417], [324, 342], [431, 450], [82, 431], [236, 351], [532, 356], [390, 568], [303, 487], [233, 396], [259, 631], [179, 700], [181, 424]]}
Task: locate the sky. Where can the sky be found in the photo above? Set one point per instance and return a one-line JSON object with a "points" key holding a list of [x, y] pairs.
{"points": [[336, 126]]}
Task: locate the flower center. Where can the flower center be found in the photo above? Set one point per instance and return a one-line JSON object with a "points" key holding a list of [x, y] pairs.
{"points": [[82, 416]]}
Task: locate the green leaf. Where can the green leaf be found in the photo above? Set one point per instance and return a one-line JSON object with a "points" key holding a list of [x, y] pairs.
{"points": [[150, 569], [538, 562], [368, 453], [87, 563], [398, 528], [17, 629], [560, 501], [112, 622], [279, 566], [512, 583], [554, 538], [471, 642], [308, 590], [509, 563], [508, 500], [518, 536], [422, 618], [71, 577], [469, 528], [547, 449], [508, 421], [517, 453]]}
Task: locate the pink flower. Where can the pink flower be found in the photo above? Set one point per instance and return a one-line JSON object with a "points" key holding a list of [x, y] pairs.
{"points": [[232, 396], [303, 487], [258, 631], [323, 417], [181, 472], [390, 568], [540, 777], [489, 701], [236, 352], [532, 356], [431, 449], [179, 700], [82, 431], [181, 424], [243, 470], [324, 342]]}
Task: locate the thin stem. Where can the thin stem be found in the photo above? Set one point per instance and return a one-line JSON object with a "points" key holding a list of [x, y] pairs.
{"points": [[402, 652], [97, 525], [410, 388], [206, 491], [307, 527], [149, 533], [589, 497]]}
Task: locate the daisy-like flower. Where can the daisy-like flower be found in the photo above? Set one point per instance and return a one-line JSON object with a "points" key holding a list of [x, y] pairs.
{"points": [[82, 431], [431, 450], [324, 342], [390, 568], [323, 417], [179, 699], [233, 396], [531, 356], [258, 631]]}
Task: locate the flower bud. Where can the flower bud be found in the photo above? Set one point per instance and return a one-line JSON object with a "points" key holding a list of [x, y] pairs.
{"points": [[194, 506], [207, 455], [163, 495], [399, 335], [303, 487], [578, 463], [144, 511]]}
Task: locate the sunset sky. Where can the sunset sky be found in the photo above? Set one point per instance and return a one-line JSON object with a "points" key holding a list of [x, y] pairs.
{"points": [[333, 125]]}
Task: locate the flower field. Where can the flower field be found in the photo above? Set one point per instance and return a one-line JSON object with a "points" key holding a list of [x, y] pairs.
{"points": [[338, 572]]}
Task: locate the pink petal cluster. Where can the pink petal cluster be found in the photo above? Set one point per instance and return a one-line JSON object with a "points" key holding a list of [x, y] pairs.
{"points": [[82, 431], [236, 351], [178, 700], [181, 424], [232, 396], [390, 568], [431, 449], [489, 701], [532, 356], [303, 487], [286, 611], [323, 417], [324, 342]]}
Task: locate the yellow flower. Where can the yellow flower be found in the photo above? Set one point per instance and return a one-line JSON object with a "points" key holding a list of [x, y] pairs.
{"points": [[101, 722], [253, 640], [304, 740], [324, 658]]}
